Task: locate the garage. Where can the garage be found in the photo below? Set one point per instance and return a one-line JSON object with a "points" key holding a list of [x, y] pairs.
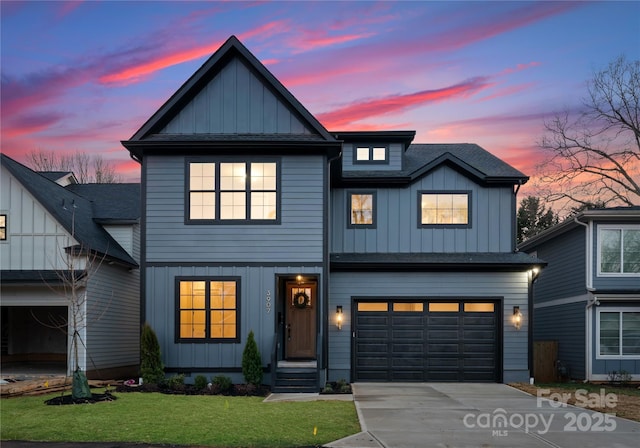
{"points": [[427, 340]]}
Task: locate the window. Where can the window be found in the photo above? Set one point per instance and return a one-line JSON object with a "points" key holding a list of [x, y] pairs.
{"points": [[444, 208], [618, 333], [443, 307], [619, 250], [3, 227], [207, 310], [233, 191], [370, 154], [373, 306], [361, 209]]}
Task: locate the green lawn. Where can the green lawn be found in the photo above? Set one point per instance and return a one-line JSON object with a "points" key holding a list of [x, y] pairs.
{"points": [[156, 418]]}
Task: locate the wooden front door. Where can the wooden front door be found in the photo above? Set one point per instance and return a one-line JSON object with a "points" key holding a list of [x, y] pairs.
{"points": [[300, 322]]}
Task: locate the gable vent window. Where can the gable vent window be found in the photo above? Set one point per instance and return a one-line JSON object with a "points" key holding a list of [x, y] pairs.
{"points": [[371, 154], [232, 191], [445, 209]]}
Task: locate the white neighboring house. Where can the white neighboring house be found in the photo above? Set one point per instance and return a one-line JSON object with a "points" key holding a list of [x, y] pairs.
{"points": [[45, 218]]}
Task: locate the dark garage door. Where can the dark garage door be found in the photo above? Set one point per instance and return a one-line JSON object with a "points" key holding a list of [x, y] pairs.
{"points": [[432, 340]]}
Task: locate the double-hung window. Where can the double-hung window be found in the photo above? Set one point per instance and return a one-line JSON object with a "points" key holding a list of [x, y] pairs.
{"points": [[619, 250], [361, 211], [208, 309], [444, 208], [223, 191], [618, 333]]}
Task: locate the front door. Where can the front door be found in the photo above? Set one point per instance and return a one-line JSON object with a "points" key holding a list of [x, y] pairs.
{"points": [[300, 322]]}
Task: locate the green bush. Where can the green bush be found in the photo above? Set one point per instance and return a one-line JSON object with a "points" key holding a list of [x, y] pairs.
{"points": [[222, 383], [151, 367], [200, 382], [175, 382], [252, 362]]}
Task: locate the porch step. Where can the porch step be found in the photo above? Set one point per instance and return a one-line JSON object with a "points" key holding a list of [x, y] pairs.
{"points": [[296, 380]]}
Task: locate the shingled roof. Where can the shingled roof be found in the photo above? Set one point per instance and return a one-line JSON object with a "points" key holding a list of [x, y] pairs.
{"points": [[78, 214]]}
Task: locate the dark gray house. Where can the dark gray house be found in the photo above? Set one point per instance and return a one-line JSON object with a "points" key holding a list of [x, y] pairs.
{"points": [[50, 226], [354, 255], [588, 298]]}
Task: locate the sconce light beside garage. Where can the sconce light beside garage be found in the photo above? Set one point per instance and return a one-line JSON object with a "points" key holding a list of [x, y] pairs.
{"points": [[516, 319], [339, 317]]}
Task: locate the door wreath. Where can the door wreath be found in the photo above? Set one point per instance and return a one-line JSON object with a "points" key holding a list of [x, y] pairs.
{"points": [[301, 300]]}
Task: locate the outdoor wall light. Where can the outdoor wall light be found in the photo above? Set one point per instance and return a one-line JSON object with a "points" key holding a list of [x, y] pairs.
{"points": [[517, 317], [339, 317], [299, 278]]}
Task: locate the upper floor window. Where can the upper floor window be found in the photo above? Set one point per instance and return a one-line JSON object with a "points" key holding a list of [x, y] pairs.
{"points": [[207, 309], [618, 333], [361, 209], [445, 208], [370, 154], [3, 227], [233, 191], [619, 250]]}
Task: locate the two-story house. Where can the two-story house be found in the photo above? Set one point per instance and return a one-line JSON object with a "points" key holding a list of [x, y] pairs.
{"points": [[588, 298], [354, 255], [64, 243]]}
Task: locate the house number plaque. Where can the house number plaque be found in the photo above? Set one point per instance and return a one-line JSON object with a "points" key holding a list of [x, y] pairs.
{"points": [[268, 301]]}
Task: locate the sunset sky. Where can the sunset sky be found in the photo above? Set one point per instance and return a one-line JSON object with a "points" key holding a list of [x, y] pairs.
{"points": [[83, 75]]}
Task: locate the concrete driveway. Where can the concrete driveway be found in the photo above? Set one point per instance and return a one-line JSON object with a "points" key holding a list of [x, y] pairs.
{"points": [[460, 415]]}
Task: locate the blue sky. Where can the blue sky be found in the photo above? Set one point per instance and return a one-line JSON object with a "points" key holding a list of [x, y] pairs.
{"points": [[83, 75]]}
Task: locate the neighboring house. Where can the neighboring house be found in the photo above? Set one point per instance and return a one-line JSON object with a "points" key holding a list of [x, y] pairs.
{"points": [[588, 298], [352, 255], [47, 220]]}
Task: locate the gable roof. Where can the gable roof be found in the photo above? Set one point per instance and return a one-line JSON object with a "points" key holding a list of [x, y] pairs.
{"points": [[611, 214], [419, 159], [150, 135], [73, 211]]}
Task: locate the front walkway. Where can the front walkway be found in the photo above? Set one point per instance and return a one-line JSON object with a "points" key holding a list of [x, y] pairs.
{"points": [[460, 415]]}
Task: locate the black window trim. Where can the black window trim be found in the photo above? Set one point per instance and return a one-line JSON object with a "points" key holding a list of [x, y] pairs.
{"points": [[374, 212], [206, 340], [229, 159], [468, 225], [370, 161]]}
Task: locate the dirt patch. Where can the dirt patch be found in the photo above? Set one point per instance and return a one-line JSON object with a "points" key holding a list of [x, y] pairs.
{"points": [[627, 400]]}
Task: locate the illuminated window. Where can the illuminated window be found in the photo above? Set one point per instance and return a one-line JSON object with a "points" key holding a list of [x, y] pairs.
{"points": [[3, 227], [619, 250], [373, 306], [408, 307], [207, 310], [444, 307], [444, 209], [361, 209], [371, 154], [473, 307], [233, 191]]}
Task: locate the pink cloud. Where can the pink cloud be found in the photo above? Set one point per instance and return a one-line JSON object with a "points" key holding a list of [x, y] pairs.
{"points": [[390, 104], [508, 91]]}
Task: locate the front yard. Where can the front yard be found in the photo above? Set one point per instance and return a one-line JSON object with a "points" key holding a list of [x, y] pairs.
{"points": [[623, 401], [156, 418]]}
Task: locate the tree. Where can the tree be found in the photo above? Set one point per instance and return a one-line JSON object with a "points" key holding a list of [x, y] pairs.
{"points": [[252, 362], [593, 156], [533, 218], [87, 168], [151, 368]]}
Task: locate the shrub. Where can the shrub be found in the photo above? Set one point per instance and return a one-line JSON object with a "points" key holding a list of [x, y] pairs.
{"points": [[252, 362], [151, 368], [200, 382], [175, 382], [222, 383]]}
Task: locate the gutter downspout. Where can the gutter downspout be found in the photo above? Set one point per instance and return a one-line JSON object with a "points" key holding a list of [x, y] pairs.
{"points": [[590, 303], [515, 216]]}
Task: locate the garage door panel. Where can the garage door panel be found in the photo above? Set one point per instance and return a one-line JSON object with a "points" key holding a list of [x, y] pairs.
{"points": [[438, 345]]}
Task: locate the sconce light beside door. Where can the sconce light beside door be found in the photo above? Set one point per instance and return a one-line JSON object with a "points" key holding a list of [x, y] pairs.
{"points": [[516, 319], [339, 317]]}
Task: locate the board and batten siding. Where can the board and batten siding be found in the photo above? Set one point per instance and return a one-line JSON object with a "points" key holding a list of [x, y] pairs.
{"points": [[257, 313], [510, 287], [113, 318], [397, 213], [395, 151], [298, 238], [235, 101], [34, 237], [564, 323]]}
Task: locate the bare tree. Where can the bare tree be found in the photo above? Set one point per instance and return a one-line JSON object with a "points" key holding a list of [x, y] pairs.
{"points": [[88, 168], [593, 156]]}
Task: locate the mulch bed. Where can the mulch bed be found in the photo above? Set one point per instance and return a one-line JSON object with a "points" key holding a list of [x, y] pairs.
{"points": [[236, 390]]}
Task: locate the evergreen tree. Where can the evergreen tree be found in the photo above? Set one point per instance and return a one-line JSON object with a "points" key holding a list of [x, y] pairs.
{"points": [[252, 362], [151, 367], [533, 218]]}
